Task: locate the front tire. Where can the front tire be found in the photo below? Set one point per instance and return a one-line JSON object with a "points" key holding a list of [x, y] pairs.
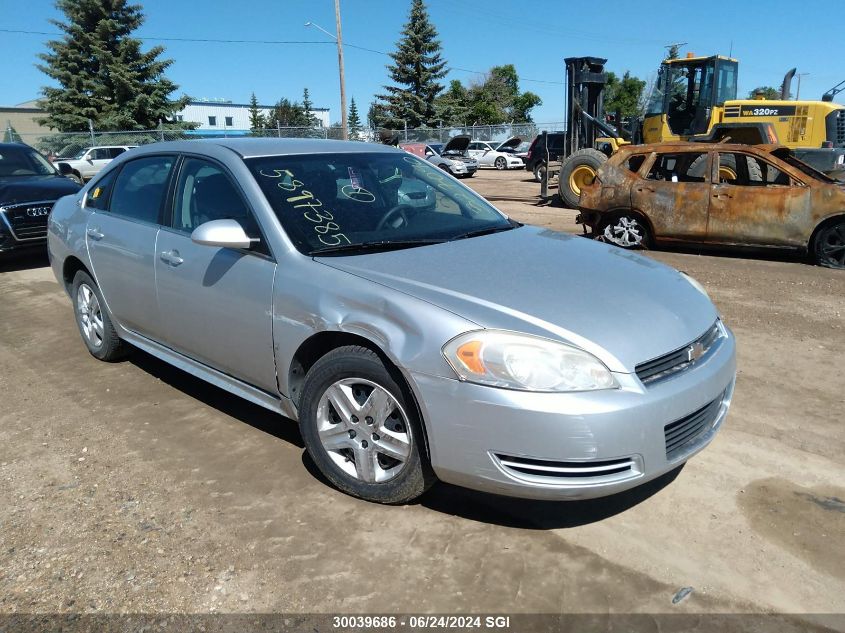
{"points": [[627, 230], [829, 246], [92, 318], [500, 163], [360, 427]]}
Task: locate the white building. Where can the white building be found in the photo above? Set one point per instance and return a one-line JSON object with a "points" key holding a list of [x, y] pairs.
{"points": [[217, 116]]}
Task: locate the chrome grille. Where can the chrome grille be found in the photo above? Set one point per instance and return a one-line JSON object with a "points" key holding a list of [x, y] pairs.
{"points": [[581, 472], [28, 220], [682, 434], [669, 364]]}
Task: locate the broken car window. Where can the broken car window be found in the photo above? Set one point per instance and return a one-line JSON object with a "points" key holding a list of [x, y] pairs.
{"points": [[680, 167]]}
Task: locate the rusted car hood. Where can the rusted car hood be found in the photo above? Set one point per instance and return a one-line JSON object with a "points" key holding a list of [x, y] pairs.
{"points": [[623, 307]]}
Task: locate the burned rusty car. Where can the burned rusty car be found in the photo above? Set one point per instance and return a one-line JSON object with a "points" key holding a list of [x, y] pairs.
{"points": [[721, 194]]}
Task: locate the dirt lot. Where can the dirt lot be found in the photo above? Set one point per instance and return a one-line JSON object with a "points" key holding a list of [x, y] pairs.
{"points": [[133, 487]]}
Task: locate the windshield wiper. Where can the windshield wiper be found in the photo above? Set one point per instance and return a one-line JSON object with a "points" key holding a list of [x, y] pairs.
{"points": [[487, 231], [377, 245]]}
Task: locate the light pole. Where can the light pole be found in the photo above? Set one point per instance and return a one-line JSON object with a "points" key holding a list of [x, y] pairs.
{"points": [[798, 90], [339, 39]]}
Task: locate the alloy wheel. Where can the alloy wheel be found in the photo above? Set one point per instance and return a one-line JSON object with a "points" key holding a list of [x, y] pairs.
{"points": [[831, 246], [364, 430], [90, 315], [626, 231]]}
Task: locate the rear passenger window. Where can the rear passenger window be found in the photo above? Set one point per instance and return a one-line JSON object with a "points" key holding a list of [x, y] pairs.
{"points": [[680, 167], [140, 188], [749, 171], [98, 196]]}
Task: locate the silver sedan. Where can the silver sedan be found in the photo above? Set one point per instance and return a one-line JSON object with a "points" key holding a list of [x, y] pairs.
{"points": [[411, 342]]}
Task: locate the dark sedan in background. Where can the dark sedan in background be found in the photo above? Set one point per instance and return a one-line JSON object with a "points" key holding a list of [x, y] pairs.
{"points": [[29, 185]]}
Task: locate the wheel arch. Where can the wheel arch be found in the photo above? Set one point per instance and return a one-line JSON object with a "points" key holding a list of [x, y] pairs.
{"points": [[811, 244], [321, 343], [70, 267]]}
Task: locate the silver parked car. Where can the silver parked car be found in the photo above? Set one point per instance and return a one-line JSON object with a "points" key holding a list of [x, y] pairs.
{"points": [[411, 343]]}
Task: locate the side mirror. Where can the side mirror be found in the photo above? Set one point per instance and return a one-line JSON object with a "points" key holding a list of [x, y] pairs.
{"points": [[222, 233], [64, 169]]}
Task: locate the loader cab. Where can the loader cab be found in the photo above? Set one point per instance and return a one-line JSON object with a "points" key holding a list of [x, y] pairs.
{"points": [[687, 95]]}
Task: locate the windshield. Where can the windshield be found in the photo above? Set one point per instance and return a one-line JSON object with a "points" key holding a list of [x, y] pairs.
{"points": [[347, 199], [437, 147], [23, 161]]}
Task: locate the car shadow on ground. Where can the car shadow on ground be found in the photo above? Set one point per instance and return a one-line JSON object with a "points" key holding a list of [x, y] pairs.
{"points": [[736, 252], [445, 498], [538, 515], [13, 262], [256, 416]]}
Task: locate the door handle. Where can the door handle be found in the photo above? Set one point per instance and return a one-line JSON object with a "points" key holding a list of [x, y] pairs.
{"points": [[722, 195], [642, 189], [171, 257], [95, 234]]}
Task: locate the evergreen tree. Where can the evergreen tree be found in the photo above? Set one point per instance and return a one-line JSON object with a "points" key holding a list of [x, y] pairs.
{"points": [[451, 107], [11, 135], [287, 114], [353, 122], [308, 108], [103, 74], [257, 120], [417, 65]]}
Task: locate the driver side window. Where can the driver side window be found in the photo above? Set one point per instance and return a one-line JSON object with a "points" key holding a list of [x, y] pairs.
{"points": [[204, 193]]}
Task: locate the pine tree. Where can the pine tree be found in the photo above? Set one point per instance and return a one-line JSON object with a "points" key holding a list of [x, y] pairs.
{"points": [[353, 121], [417, 65], [102, 72], [257, 120], [308, 107]]}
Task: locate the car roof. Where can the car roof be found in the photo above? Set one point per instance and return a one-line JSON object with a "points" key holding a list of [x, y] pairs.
{"points": [[253, 147]]}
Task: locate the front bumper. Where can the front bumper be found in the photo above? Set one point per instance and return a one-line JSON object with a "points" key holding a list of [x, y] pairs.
{"points": [[578, 445], [463, 169]]}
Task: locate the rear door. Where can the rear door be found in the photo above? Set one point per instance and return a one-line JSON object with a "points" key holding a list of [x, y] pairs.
{"points": [[121, 236], [216, 302], [674, 192], [757, 202]]}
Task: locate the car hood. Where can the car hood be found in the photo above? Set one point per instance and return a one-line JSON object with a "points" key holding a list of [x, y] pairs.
{"points": [[36, 188], [623, 307], [457, 144], [511, 142]]}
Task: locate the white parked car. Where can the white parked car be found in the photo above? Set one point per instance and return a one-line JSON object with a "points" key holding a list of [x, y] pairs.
{"points": [[498, 155], [89, 161]]}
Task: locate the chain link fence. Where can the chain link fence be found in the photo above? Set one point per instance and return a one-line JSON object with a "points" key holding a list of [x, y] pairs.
{"points": [[71, 144]]}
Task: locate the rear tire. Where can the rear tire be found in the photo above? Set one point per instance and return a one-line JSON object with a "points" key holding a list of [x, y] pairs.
{"points": [[93, 320], [538, 170], [829, 245], [359, 425], [576, 171]]}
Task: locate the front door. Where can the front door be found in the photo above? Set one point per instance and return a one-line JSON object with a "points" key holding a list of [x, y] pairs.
{"points": [[121, 236], [216, 302], [674, 194], [755, 202]]}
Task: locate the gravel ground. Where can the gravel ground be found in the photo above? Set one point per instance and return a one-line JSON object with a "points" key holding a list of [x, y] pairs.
{"points": [[134, 488]]}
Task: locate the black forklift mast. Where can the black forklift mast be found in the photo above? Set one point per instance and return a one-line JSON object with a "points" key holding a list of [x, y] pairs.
{"points": [[585, 82]]}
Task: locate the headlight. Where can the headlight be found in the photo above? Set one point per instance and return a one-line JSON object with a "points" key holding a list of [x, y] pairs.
{"points": [[525, 362], [695, 284]]}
